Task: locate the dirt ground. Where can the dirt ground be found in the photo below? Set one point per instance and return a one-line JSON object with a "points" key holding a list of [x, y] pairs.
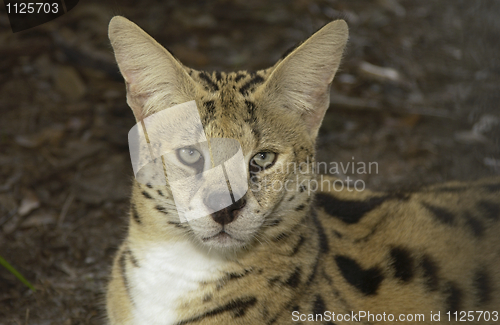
{"points": [[417, 94]]}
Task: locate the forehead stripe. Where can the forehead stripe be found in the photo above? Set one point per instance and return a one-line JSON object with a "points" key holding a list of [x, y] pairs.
{"points": [[210, 83], [252, 82]]}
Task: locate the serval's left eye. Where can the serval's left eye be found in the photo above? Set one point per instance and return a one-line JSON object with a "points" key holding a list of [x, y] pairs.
{"points": [[188, 156]]}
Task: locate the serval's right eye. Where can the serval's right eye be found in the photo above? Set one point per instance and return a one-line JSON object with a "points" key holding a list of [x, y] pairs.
{"points": [[261, 161]]}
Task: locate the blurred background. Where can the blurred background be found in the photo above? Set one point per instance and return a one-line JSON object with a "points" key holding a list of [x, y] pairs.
{"points": [[418, 93]]}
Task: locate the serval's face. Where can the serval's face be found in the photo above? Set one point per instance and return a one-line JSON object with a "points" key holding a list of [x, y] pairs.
{"points": [[227, 146]]}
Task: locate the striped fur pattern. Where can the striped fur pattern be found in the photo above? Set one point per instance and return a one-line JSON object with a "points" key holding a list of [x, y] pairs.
{"points": [[291, 252]]}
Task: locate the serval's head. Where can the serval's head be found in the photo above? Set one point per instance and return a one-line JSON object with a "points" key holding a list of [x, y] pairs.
{"points": [[229, 144]]}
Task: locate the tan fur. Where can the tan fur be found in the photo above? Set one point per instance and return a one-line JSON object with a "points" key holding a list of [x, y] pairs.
{"points": [[340, 251]]}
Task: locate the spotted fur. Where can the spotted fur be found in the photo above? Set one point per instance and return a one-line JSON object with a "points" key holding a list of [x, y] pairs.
{"points": [[434, 250]]}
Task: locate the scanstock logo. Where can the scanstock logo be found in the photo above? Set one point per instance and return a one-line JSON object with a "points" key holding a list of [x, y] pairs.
{"points": [[204, 174], [25, 14]]}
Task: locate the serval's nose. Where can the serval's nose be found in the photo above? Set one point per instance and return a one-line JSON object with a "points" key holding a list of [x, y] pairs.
{"points": [[223, 215]]}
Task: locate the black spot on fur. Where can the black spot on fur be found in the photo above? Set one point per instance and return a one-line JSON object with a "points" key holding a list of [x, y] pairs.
{"points": [[328, 279], [299, 244], [441, 214], [272, 281], [265, 312], [318, 306], [323, 240], [238, 307], [239, 76], [281, 236], [430, 273], [176, 224], [239, 312], [251, 107], [252, 82], [161, 209], [160, 193], [149, 185], [293, 280], [454, 297], [302, 188], [123, 268], [300, 207], [233, 276], [337, 234], [349, 212], [132, 258], [218, 76], [489, 209], [483, 287], [275, 222], [273, 320], [256, 134], [402, 262], [135, 214], [209, 106], [146, 195], [366, 281], [211, 85], [314, 271], [291, 198], [475, 225]]}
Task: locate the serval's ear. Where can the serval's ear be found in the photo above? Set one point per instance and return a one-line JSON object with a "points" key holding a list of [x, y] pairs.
{"points": [[301, 81], [155, 79]]}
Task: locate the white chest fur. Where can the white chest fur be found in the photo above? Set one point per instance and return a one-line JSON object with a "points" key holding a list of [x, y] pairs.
{"points": [[167, 272]]}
